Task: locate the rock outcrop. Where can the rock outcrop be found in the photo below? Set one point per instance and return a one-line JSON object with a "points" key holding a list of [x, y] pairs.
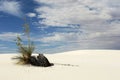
{"points": [[40, 60]]}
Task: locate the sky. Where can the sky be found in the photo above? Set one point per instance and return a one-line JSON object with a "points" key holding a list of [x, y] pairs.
{"points": [[61, 25]]}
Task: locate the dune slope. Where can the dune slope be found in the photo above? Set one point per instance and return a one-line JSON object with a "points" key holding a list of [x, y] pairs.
{"points": [[73, 65]]}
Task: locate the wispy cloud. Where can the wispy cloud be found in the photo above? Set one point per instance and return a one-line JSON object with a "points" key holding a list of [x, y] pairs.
{"points": [[3, 47], [97, 23], [8, 36], [11, 7], [31, 14], [65, 12]]}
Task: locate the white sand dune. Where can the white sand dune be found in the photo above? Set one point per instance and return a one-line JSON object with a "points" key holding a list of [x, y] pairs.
{"points": [[85, 65]]}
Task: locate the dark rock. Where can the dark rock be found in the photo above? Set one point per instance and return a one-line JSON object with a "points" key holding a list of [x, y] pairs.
{"points": [[33, 61], [40, 60], [43, 61]]}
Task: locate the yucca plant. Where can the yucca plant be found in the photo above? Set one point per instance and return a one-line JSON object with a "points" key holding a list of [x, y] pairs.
{"points": [[25, 50]]}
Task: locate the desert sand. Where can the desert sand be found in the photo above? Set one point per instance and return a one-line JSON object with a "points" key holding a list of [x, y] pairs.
{"points": [[72, 65]]}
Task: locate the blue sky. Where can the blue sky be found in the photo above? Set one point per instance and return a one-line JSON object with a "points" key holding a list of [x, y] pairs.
{"points": [[61, 25]]}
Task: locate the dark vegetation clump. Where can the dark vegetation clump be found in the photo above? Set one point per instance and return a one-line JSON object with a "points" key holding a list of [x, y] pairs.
{"points": [[26, 51]]}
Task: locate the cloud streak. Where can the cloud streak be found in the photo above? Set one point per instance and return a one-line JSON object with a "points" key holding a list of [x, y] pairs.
{"points": [[97, 23], [65, 12], [31, 15], [8, 36], [11, 7]]}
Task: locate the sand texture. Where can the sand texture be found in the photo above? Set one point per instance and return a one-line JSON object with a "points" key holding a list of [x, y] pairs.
{"points": [[72, 65]]}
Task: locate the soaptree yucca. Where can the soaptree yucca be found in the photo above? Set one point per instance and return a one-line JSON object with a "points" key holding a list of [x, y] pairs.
{"points": [[25, 50]]}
